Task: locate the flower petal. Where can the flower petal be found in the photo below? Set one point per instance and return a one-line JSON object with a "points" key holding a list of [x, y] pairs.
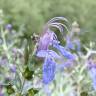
{"points": [[64, 52], [53, 54], [49, 67], [42, 53], [45, 53]]}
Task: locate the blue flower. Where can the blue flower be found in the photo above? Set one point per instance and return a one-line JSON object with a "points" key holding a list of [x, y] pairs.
{"points": [[49, 67], [47, 39]]}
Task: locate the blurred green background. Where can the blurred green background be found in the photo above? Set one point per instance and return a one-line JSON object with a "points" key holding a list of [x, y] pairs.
{"points": [[33, 14]]}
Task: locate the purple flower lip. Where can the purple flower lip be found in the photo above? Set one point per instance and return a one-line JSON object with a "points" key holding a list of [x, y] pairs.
{"points": [[8, 27], [13, 68], [45, 40]]}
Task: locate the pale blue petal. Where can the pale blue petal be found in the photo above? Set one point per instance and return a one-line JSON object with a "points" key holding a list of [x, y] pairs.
{"points": [[42, 53], [50, 53]]}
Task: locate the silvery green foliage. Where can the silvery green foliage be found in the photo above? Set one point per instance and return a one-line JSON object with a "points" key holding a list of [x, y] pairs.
{"points": [[45, 67]]}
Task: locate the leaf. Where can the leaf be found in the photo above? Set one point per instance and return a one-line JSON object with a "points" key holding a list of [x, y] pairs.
{"points": [[10, 89], [32, 92], [84, 94], [18, 94], [28, 74]]}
